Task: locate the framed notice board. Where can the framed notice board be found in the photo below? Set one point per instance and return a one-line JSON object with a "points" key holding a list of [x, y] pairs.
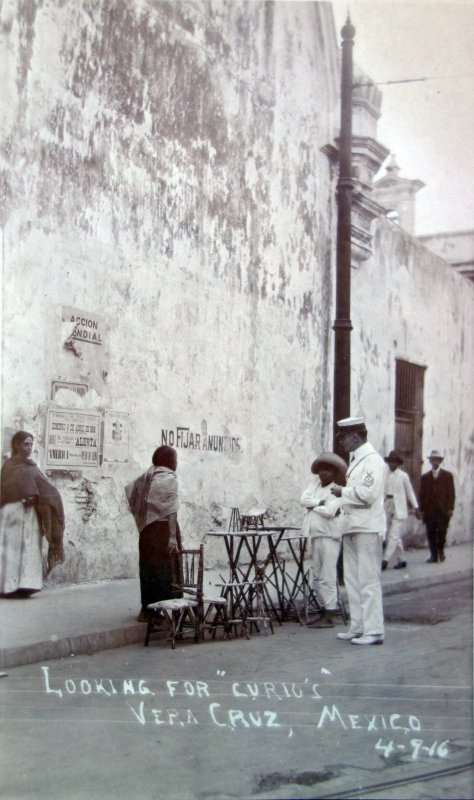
{"points": [[72, 438]]}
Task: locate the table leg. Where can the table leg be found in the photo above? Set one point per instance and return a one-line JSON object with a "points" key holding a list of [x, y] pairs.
{"points": [[297, 584]]}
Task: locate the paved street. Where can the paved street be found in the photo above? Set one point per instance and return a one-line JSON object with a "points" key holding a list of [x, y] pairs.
{"points": [[296, 715], [440, 604]]}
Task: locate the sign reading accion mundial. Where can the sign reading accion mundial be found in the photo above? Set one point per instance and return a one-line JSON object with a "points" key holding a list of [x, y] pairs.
{"points": [[85, 327]]}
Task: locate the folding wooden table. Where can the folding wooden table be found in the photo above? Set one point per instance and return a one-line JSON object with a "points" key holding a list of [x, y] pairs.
{"points": [[248, 563]]}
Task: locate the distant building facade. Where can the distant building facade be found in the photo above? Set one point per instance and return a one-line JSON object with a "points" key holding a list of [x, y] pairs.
{"points": [[457, 248], [397, 195]]}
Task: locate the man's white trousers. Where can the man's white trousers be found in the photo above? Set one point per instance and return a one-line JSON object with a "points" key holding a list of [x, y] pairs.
{"points": [[395, 529], [325, 552], [362, 571]]}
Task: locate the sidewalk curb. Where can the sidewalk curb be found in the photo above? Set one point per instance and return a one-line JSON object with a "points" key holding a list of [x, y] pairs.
{"points": [[80, 644], [89, 643], [414, 584]]}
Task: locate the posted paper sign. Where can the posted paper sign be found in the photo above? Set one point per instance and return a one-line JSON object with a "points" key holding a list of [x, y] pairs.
{"points": [[115, 436], [72, 438]]}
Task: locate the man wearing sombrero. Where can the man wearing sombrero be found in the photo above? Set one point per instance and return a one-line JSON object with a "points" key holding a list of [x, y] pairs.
{"points": [[321, 525], [398, 494], [437, 498]]}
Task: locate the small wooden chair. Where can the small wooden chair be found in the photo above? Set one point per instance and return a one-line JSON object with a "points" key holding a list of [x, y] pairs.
{"points": [[193, 611], [252, 519], [182, 614], [259, 607], [263, 605], [234, 593], [213, 612], [249, 600], [212, 608]]}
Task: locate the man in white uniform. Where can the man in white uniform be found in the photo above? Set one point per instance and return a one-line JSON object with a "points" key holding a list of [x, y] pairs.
{"points": [[398, 493], [364, 527]]}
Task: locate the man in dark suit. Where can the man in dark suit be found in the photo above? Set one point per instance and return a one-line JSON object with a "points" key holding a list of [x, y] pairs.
{"points": [[437, 498]]}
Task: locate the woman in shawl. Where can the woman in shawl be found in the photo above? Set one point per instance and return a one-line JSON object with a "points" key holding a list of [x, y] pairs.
{"points": [[30, 506], [153, 501]]}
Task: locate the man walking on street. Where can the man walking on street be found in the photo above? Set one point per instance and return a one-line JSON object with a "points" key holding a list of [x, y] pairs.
{"points": [[363, 529], [398, 493], [437, 497]]}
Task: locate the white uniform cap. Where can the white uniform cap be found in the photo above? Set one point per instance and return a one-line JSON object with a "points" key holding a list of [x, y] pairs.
{"points": [[352, 423]]}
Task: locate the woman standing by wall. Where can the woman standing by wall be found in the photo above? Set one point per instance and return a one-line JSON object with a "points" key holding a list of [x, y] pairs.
{"points": [[30, 506], [153, 501]]}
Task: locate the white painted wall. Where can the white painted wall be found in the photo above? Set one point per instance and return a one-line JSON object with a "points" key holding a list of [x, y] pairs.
{"points": [[164, 171], [407, 303]]}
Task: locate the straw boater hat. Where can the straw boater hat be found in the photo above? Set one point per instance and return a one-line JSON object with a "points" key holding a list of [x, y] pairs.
{"points": [[436, 454], [394, 456], [332, 460]]}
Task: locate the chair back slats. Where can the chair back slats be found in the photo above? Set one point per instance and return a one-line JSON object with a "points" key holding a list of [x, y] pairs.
{"points": [[192, 611], [192, 569]]}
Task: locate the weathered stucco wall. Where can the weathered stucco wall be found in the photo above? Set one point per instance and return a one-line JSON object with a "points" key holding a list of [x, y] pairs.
{"points": [[163, 182], [163, 186], [407, 303]]}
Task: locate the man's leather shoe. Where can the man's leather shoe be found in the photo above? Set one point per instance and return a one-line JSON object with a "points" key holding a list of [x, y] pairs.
{"points": [[375, 638], [400, 565], [442, 557], [431, 560], [348, 635], [321, 622]]}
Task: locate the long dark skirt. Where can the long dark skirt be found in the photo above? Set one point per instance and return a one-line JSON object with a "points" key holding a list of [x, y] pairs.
{"points": [[159, 569]]}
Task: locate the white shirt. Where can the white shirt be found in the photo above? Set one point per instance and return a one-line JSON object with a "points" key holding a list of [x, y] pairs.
{"points": [[321, 520], [397, 484]]}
